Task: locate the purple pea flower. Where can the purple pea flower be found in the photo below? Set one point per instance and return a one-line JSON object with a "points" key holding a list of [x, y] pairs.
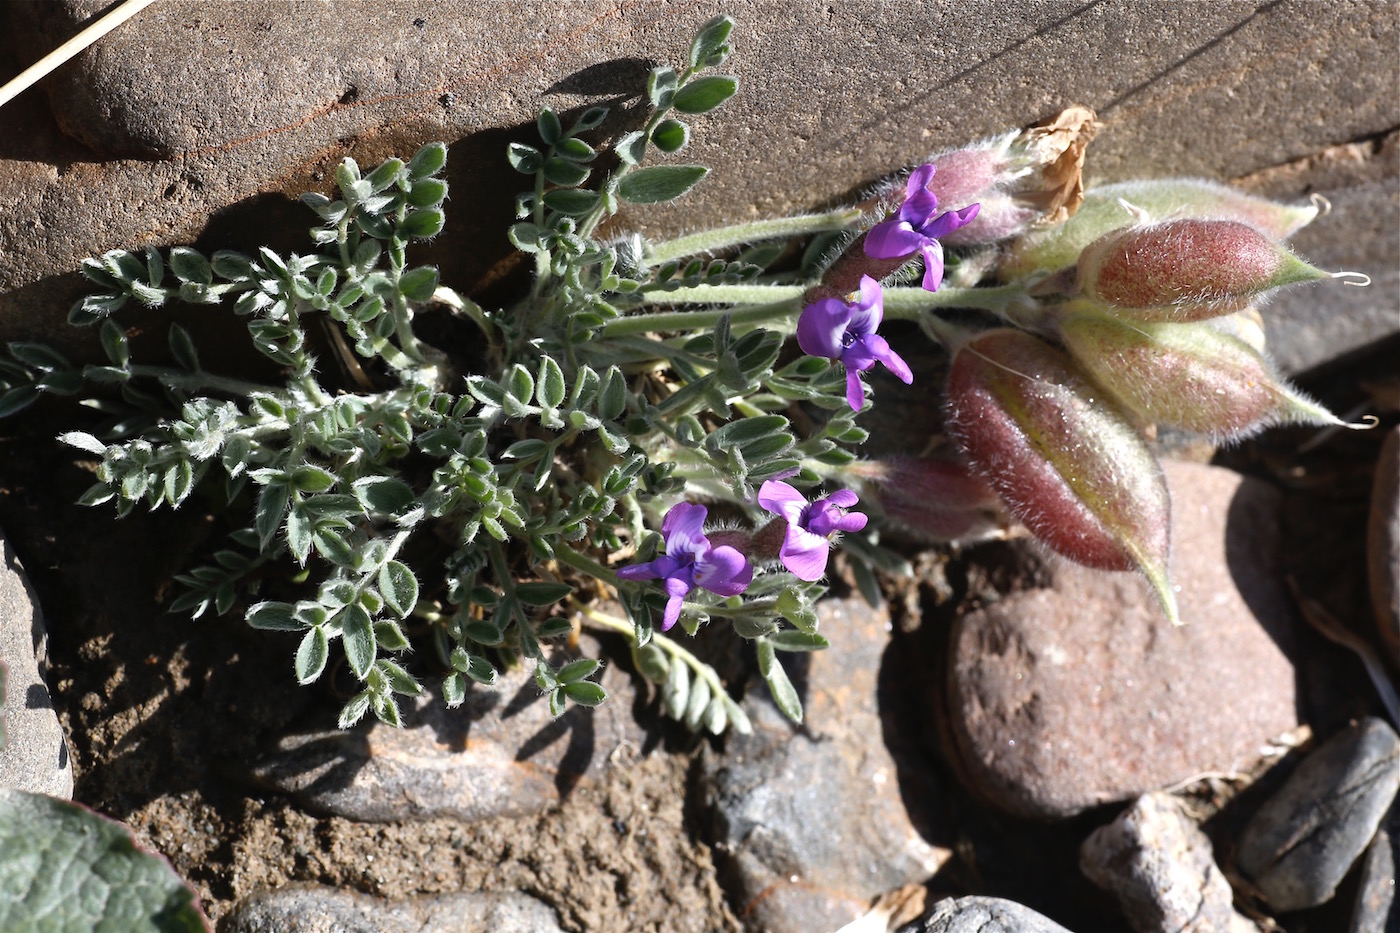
{"points": [[916, 229], [809, 526], [835, 329], [690, 561]]}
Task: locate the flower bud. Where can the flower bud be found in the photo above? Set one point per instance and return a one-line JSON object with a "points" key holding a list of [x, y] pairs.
{"points": [[1112, 206], [936, 498], [1189, 376], [1063, 458], [1186, 269]]}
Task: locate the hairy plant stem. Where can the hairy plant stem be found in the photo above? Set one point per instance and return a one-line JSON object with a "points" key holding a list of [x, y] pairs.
{"points": [[777, 304], [709, 241]]}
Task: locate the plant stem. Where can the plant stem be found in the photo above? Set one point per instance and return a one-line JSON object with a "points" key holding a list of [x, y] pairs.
{"points": [[709, 241]]}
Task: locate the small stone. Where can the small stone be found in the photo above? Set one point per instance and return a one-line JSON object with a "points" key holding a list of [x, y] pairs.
{"points": [[986, 915], [309, 908], [499, 754], [1162, 869], [1383, 546], [34, 752], [1375, 909], [1298, 846], [812, 819], [1083, 694]]}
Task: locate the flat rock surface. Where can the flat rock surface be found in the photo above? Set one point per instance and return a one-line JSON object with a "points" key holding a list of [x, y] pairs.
{"points": [[499, 754], [1304, 839], [986, 915], [34, 756], [1082, 694], [258, 100], [309, 908], [811, 820]]}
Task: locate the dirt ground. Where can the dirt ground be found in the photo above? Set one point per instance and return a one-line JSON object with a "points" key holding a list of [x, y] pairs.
{"points": [[160, 710]]}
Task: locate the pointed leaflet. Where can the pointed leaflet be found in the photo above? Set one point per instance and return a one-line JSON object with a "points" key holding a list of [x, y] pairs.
{"points": [[1063, 458]]}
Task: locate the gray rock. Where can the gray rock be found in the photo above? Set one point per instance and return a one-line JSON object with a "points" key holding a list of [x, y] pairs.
{"points": [[1376, 910], [1162, 868], [34, 756], [1082, 694], [1383, 546], [499, 754], [309, 908], [1303, 840], [812, 820], [986, 915], [194, 108]]}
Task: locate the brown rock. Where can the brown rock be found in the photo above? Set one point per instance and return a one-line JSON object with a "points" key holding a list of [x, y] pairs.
{"points": [[1082, 694]]}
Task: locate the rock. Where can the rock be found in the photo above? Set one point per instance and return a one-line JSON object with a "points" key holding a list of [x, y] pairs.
{"points": [[34, 756], [499, 754], [1162, 868], [1376, 910], [1303, 840], [1383, 546], [258, 100], [812, 820], [1083, 694], [986, 915], [309, 908]]}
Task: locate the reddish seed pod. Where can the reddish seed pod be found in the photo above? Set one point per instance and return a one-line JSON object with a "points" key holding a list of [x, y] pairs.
{"points": [[1190, 376], [937, 498], [1186, 270], [1061, 455]]}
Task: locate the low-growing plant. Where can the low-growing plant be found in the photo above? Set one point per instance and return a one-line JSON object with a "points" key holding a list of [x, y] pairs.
{"points": [[639, 427]]}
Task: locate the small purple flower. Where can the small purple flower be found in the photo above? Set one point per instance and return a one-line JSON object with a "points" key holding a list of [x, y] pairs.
{"points": [[809, 526], [846, 332], [690, 561], [916, 229]]}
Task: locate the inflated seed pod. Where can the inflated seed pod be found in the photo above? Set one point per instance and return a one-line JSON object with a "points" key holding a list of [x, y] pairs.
{"points": [[1185, 270], [1190, 376], [1060, 453]]}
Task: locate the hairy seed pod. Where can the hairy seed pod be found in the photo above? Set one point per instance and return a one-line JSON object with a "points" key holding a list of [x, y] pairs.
{"points": [[1061, 455], [1186, 270], [1190, 376], [940, 499], [1110, 207]]}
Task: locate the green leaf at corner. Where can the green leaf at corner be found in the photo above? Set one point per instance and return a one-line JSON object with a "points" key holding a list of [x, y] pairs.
{"points": [[66, 869], [660, 183]]}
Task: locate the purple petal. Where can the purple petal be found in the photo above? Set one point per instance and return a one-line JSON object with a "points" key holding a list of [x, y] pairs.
{"points": [[892, 239], [879, 348], [949, 221], [723, 570], [672, 613], [933, 265], [647, 571], [841, 498], [822, 327], [869, 310], [855, 392], [782, 500], [852, 521], [684, 529], [804, 553], [919, 202]]}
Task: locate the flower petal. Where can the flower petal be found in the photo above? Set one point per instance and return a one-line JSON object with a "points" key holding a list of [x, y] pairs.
{"points": [[841, 498], [647, 571], [933, 265], [684, 529], [919, 202], [869, 310], [855, 392], [879, 349], [822, 327], [892, 239], [723, 570], [804, 554], [782, 500]]}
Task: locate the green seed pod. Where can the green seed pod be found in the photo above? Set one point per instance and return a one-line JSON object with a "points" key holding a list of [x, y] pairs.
{"points": [[1186, 270], [1063, 458], [1190, 376], [1105, 208]]}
